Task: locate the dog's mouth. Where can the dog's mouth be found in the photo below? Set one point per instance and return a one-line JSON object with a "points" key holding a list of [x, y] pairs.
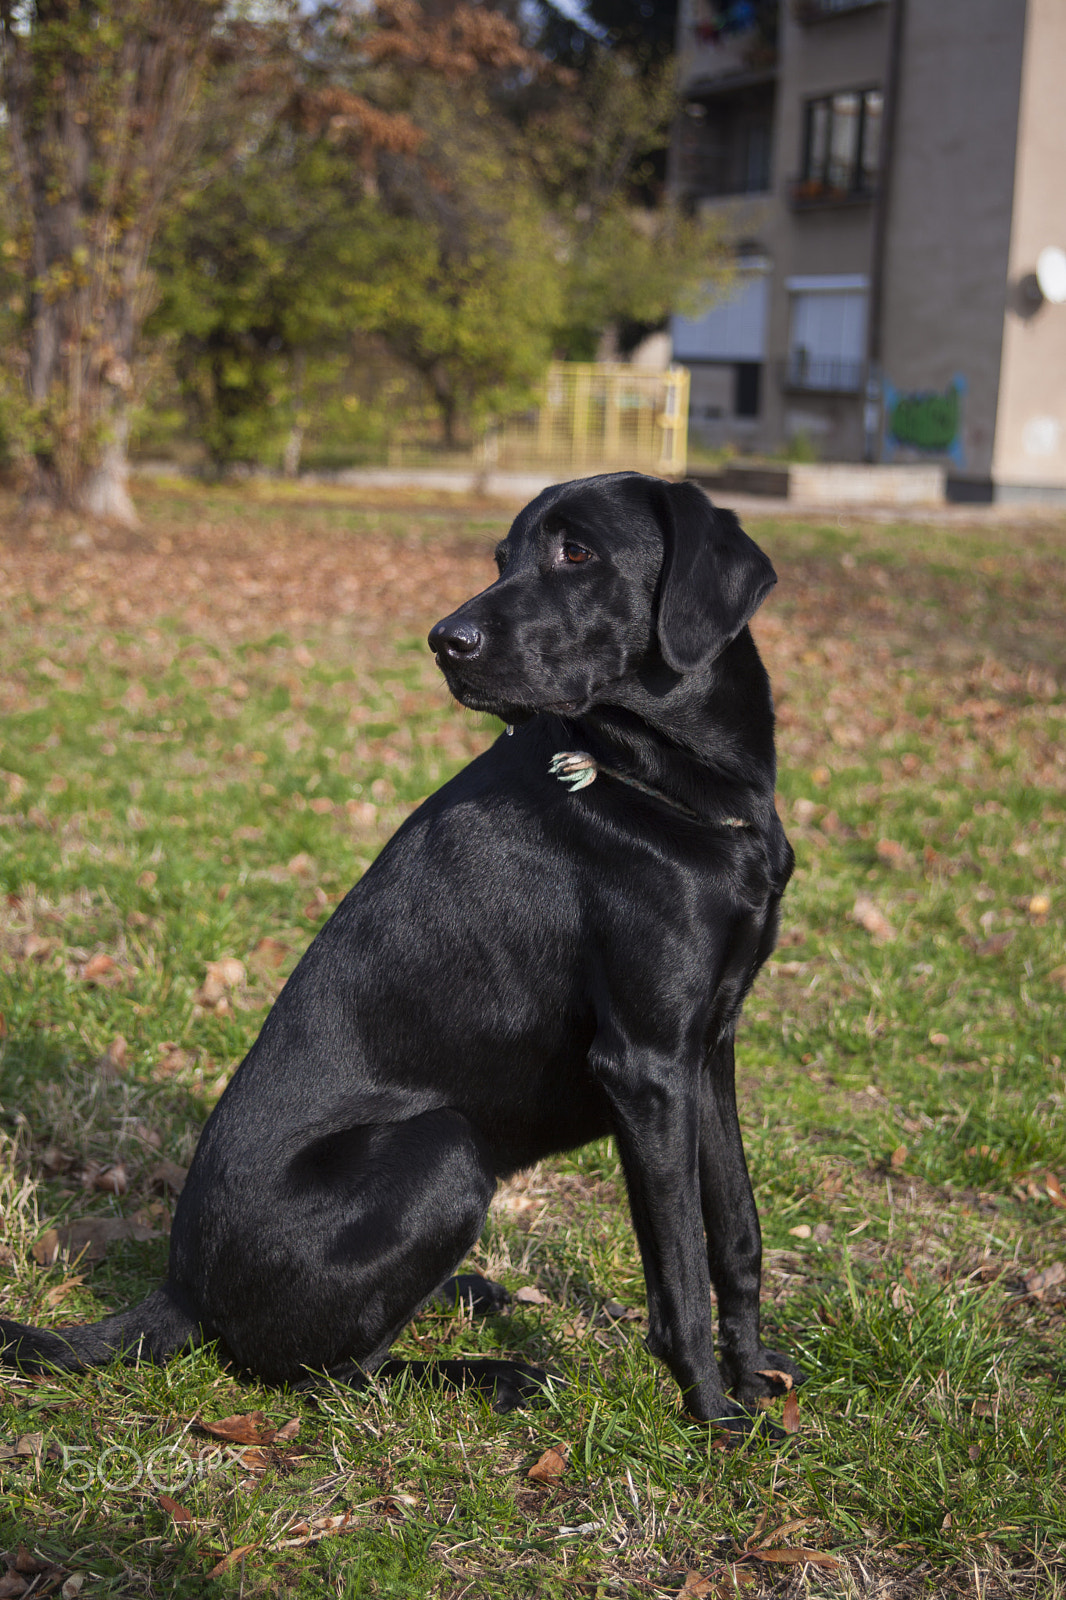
{"points": [[517, 705]]}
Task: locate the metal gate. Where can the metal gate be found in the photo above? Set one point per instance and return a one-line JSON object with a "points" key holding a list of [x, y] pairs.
{"points": [[599, 415]]}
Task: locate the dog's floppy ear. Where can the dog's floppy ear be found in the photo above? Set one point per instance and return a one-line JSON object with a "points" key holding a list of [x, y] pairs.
{"points": [[714, 578]]}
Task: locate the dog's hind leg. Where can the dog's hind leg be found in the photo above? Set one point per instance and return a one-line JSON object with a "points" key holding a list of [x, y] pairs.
{"points": [[508, 1384], [374, 1218]]}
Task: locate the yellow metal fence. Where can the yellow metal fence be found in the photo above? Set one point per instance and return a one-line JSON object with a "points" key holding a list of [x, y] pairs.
{"points": [[599, 415]]}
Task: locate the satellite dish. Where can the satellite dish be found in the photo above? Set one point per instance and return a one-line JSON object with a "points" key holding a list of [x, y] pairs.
{"points": [[1051, 274]]}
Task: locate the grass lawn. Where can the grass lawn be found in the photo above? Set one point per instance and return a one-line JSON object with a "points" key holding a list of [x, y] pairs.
{"points": [[207, 730]]}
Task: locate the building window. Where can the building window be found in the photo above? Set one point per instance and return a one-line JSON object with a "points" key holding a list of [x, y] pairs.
{"points": [[841, 148], [827, 334], [733, 330], [746, 376]]}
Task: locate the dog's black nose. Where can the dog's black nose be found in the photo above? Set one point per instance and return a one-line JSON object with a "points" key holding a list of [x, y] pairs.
{"points": [[456, 639]]}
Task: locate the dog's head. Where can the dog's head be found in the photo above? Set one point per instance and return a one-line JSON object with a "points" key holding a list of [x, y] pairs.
{"points": [[599, 580]]}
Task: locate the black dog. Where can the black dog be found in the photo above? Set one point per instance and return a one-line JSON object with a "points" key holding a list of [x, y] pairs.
{"points": [[523, 969]]}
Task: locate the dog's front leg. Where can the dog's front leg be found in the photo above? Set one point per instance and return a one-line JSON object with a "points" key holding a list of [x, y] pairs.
{"points": [[734, 1241], [655, 1115]]}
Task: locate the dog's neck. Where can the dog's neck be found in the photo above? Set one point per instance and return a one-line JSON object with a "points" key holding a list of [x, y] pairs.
{"points": [[702, 725]]}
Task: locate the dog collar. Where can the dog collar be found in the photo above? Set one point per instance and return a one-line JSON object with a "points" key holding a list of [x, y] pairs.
{"points": [[577, 769]]}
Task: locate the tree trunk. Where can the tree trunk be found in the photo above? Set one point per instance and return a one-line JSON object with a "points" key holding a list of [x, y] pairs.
{"points": [[106, 492], [98, 102]]}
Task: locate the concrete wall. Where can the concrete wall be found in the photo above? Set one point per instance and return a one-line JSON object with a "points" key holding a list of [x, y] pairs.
{"points": [[949, 221], [1030, 441], [847, 51]]}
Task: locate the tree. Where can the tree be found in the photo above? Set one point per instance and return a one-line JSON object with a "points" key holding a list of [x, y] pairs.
{"points": [[475, 236], [101, 100], [98, 98], [631, 256], [376, 202]]}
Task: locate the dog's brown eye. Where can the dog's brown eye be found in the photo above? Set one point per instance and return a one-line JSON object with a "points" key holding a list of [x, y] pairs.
{"points": [[575, 553]]}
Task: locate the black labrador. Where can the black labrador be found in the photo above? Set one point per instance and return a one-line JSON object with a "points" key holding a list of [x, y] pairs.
{"points": [[554, 947]]}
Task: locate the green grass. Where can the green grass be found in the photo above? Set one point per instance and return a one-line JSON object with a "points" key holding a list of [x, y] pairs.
{"points": [[209, 729]]}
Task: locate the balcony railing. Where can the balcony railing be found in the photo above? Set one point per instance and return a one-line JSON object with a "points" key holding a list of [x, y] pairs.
{"points": [[813, 374], [809, 194], [819, 10], [711, 179]]}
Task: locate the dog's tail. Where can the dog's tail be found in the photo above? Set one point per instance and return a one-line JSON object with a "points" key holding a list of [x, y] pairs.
{"points": [[151, 1331]]}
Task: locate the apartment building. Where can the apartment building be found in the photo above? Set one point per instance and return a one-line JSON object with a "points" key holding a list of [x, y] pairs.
{"points": [[892, 177]]}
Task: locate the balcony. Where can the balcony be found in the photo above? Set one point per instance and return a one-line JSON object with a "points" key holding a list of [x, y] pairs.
{"points": [[724, 143], [812, 194], [734, 38], [807, 11], [806, 374]]}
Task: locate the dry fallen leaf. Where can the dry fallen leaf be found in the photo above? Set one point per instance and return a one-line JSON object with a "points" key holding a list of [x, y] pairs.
{"points": [[269, 953], [695, 1584], [35, 948], [550, 1467], [254, 1461], [869, 916], [182, 1517], [306, 1530], [250, 1428], [530, 1296], [790, 1417], [898, 1156], [1037, 1282], [230, 1559], [61, 1290], [100, 968], [168, 1175], [221, 976], [785, 1529], [799, 1556], [397, 1504], [112, 1064], [112, 1180], [1055, 1191]]}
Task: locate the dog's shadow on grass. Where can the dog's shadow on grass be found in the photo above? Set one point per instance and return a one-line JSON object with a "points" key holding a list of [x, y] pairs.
{"points": [[84, 1149]]}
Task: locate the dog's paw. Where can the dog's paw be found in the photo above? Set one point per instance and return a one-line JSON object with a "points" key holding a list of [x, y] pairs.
{"points": [[771, 1373], [480, 1295], [519, 1385], [733, 1422]]}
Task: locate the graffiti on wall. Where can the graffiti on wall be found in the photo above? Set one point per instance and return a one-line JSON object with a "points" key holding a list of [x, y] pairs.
{"points": [[928, 420]]}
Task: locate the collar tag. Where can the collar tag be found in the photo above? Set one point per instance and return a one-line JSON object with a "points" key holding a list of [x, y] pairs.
{"points": [[574, 767]]}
